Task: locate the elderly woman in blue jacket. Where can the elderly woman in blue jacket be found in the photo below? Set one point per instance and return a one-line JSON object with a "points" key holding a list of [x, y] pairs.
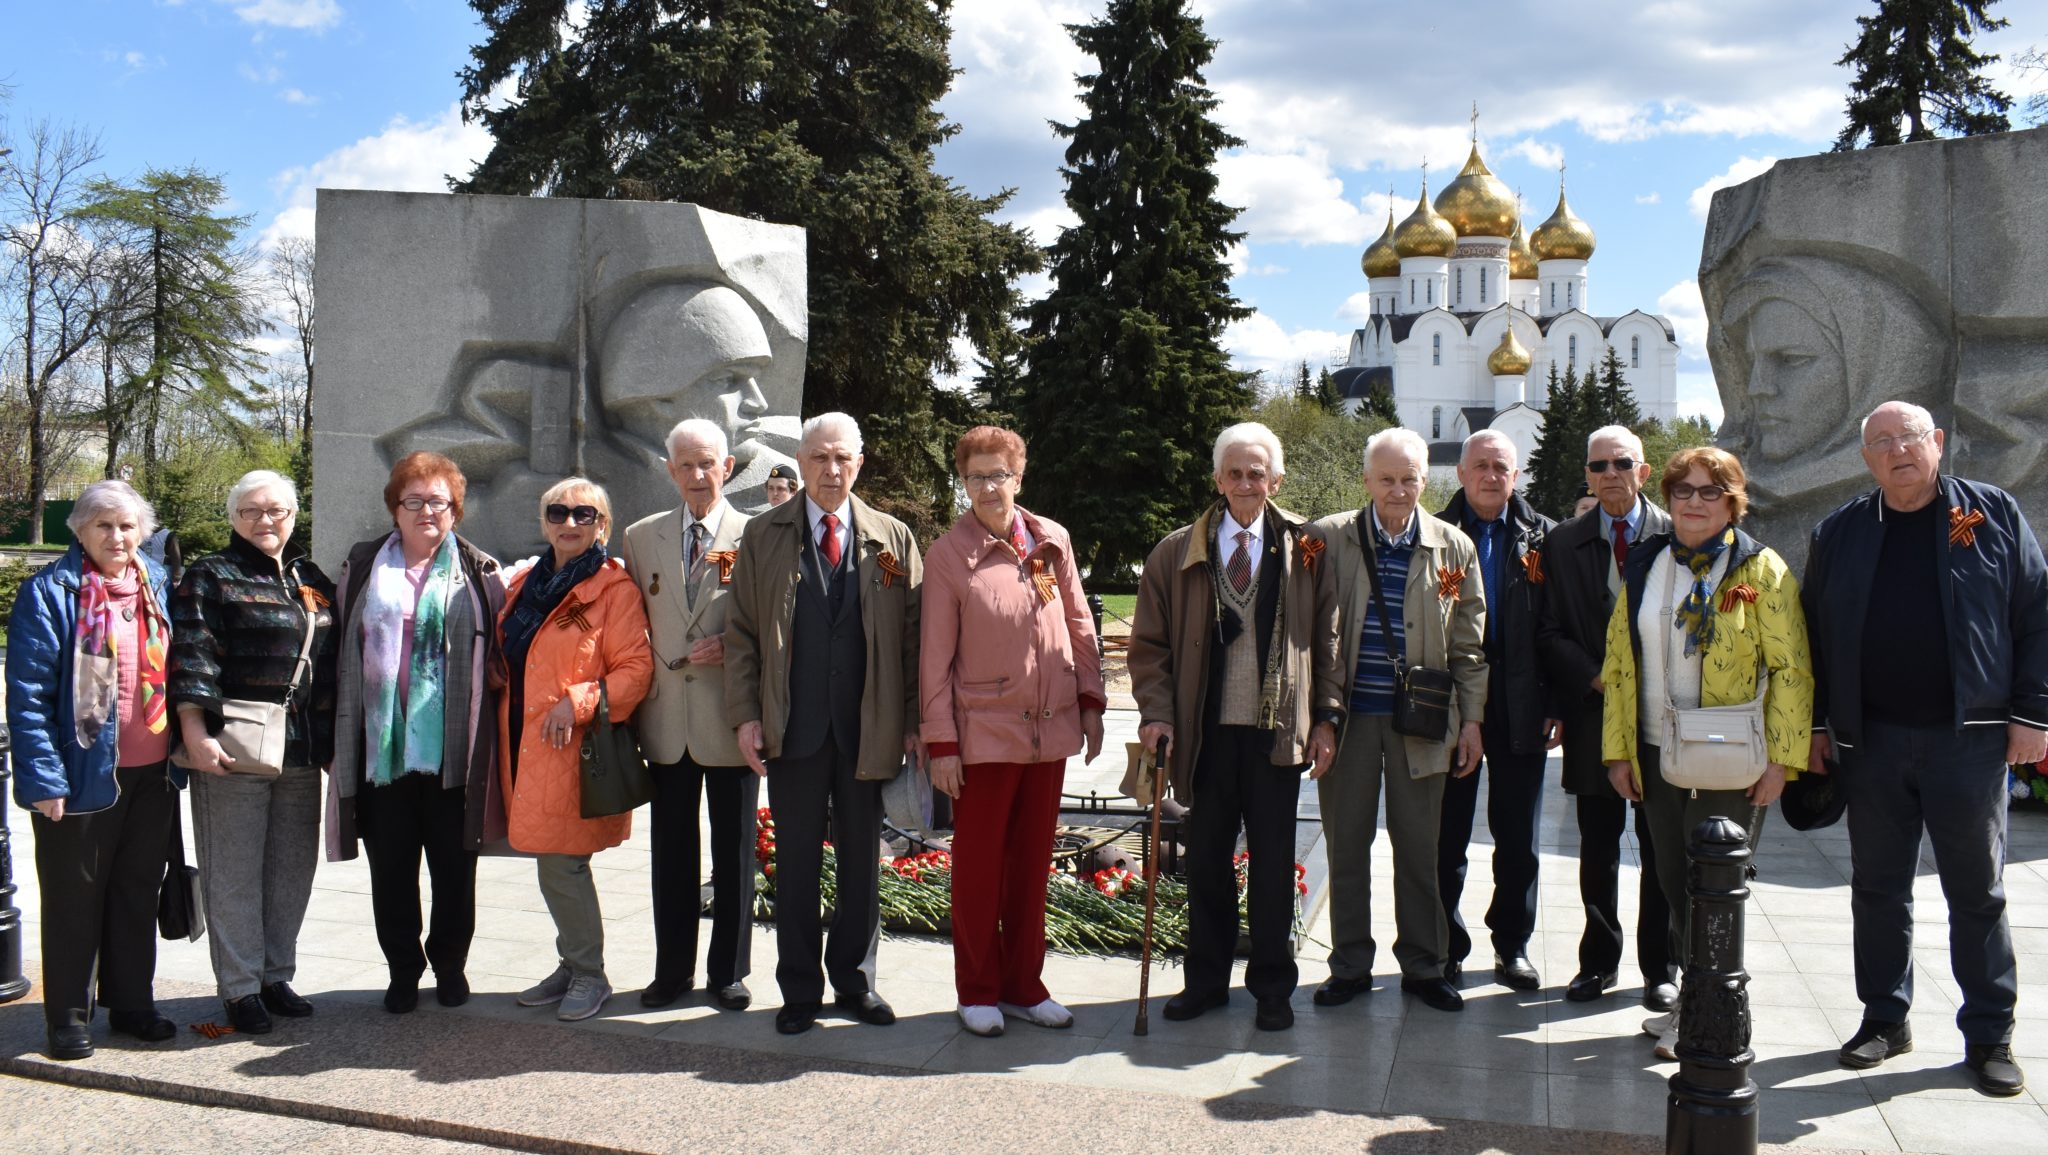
{"points": [[88, 642]]}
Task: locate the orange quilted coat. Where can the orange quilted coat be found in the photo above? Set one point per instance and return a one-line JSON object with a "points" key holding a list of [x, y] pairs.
{"points": [[543, 809]]}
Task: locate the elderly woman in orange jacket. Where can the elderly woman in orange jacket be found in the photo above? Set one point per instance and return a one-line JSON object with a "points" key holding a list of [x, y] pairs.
{"points": [[1011, 685], [573, 623]]}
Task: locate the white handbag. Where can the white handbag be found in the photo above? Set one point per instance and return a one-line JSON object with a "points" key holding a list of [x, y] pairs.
{"points": [[1710, 747]]}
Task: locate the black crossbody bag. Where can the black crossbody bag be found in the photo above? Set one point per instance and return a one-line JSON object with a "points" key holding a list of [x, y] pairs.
{"points": [[1422, 696]]}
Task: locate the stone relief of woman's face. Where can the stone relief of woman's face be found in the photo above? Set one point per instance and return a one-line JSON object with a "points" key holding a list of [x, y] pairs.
{"points": [[1798, 385]]}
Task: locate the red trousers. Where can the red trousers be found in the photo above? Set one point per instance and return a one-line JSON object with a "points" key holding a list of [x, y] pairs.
{"points": [[1002, 848]]}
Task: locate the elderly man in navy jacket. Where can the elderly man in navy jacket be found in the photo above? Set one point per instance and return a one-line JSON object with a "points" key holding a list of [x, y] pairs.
{"points": [[1927, 604]]}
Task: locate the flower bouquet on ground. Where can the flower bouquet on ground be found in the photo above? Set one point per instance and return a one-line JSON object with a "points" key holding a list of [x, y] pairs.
{"points": [[2027, 785]]}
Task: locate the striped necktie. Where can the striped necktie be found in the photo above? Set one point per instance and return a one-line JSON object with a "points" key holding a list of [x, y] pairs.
{"points": [[1240, 569]]}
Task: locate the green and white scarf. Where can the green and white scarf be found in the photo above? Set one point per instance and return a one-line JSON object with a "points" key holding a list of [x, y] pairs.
{"points": [[415, 746]]}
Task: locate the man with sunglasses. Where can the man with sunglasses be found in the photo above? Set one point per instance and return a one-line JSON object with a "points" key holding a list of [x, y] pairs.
{"points": [[821, 649], [1582, 561], [682, 561], [1927, 604]]}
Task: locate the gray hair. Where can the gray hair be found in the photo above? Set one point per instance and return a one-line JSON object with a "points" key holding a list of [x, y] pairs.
{"points": [[257, 479], [1249, 433], [1621, 433], [703, 431], [1407, 441], [833, 424], [1916, 417], [104, 495], [1506, 442]]}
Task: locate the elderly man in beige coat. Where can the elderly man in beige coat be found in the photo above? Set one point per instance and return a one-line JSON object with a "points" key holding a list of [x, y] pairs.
{"points": [[682, 561], [1438, 620]]}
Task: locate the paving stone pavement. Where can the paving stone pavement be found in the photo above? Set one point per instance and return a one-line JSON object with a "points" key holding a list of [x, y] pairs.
{"points": [[1512, 1072]]}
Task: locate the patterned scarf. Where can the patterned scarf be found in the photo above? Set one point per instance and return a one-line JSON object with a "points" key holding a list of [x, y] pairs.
{"points": [[95, 682], [544, 589], [390, 595], [1695, 613]]}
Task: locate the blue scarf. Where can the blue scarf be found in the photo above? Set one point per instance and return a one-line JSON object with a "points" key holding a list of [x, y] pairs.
{"points": [[545, 588]]}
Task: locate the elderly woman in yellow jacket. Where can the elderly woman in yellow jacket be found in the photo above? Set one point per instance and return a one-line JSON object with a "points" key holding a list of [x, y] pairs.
{"points": [[1701, 611]]}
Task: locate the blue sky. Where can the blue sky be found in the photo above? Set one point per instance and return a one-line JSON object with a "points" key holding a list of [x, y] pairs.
{"points": [[1650, 104]]}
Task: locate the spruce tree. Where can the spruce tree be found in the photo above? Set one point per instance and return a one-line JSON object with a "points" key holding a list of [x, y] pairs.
{"points": [[1557, 466], [1326, 393], [1609, 399], [1378, 405], [820, 115], [1128, 384], [1917, 71], [1304, 383]]}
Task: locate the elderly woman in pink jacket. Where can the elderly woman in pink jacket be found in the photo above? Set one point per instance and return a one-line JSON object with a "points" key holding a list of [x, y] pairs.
{"points": [[1012, 686]]}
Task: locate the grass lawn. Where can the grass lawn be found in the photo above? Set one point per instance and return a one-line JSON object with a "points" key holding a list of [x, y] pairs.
{"points": [[1116, 606]]}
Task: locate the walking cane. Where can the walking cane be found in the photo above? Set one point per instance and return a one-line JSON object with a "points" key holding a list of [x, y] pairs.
{"points": [[1151, 887]]}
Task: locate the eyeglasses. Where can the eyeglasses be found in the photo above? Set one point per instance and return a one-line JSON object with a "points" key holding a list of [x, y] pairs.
{"points": [[984, 480], [255, 513], [1898, 441], [1680, 491], [430, 504], [582, 514], [1624, 464]]}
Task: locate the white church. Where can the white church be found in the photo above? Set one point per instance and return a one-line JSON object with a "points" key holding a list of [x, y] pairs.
{"points": [[1469, 315]]}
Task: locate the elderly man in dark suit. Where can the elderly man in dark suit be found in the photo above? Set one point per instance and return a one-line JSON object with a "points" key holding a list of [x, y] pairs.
{"points": [[1582, 561], [821, 646]]}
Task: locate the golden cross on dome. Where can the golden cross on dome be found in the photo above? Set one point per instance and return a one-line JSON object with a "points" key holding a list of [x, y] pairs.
{"points": [[1475, 122]]}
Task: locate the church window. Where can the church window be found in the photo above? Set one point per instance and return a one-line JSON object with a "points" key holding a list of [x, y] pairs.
{"points": [[1571, 292], [1571, 351], [1635, 352], [1553, 295], [1436, 422], [1436, 349], [1482, 286], [1411, 290], [1429, 292], [1460, 298]]}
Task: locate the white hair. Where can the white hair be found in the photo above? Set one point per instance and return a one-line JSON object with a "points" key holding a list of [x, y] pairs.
{"points": [[257, 479], [1409, 442], [1917, 418], [1506, 442], [834, 424], [702, 430], [1249, 433], [1621, 433], [111, 494]]}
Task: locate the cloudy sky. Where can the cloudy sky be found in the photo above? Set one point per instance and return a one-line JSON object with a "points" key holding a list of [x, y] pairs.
{"points": [[1649, 105]]}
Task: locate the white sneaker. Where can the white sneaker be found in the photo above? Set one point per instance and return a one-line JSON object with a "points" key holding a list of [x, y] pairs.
{"points": [[1045, 1014], [981, 1019], [1667, 1043], [585, 997], [1656, 1025], [548, 990]]}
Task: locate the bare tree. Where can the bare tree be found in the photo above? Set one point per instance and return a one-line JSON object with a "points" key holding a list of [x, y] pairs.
{"points": [[291, 277]]}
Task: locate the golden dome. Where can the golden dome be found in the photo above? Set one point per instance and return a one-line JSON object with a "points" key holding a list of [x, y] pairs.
{"points": [[1521, 262], [1509, 358], [1477, 204], [1380, 259], [1564, 237], [1424, 233]]}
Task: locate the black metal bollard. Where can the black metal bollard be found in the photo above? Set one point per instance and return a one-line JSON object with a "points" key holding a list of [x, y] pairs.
{"points": [[1712, 1109], [12, 984]]}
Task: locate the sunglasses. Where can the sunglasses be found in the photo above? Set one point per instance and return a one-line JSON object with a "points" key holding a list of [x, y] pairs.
{"points": [[1624, 464], [581, 515]]}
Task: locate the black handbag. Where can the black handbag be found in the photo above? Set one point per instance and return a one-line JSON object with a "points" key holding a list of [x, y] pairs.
{"points": [[615, 777], [180, 910], [1422, 695]]}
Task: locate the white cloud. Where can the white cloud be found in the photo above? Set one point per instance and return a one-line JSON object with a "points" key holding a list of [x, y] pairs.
{"points": [[1266, 271], [1017, 67], [1681, 302], [1259, 343], [1702, 198], [1290, 198], [1044, 223], [1649, 198], [266, 74], [1537, 153], [407, 156], [1356, 307], [310, 15], [1698, 396], [294, 96]]}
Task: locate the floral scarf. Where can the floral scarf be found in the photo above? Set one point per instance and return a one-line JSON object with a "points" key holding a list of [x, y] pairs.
{"points": [[1695, 613], [390, 595], [95, 665]]}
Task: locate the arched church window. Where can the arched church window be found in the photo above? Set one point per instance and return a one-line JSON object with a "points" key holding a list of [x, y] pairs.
{"points": [[1436, 422], [1635, 352], [1436, 349]]}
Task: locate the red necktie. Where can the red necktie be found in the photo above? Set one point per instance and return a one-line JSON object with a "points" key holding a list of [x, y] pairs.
{"points": [[1620, 543], [830, 544]]}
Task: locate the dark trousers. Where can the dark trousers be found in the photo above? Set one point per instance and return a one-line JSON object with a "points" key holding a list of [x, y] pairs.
{"points": [[1602, 822], [1902, 780], [734, 793], [1514, 804], [100, 874], [1669, 814], [400, 823], [1237, 786], [800, 790]]}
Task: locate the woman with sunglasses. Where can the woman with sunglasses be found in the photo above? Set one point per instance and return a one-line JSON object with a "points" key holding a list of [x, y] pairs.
{"points": [[239, 625], [1702, 609], [416, 725], [573, 626]]}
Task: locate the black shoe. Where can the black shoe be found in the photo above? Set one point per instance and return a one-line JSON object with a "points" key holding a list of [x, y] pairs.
{"points": [[662, 992], [1274, 1015], [1874, 1042], [1436, 992], [1454, 971], [1193, 1005], [1586, 986], [734, 997], [281, 999], [149, 1026], [247, 1015], [1997, 1073], [1517, 973], [451, 990], [1335, 992], [868, 1007], [1660, 996], [70, 1043], [402, 996], [796, 1018]]}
